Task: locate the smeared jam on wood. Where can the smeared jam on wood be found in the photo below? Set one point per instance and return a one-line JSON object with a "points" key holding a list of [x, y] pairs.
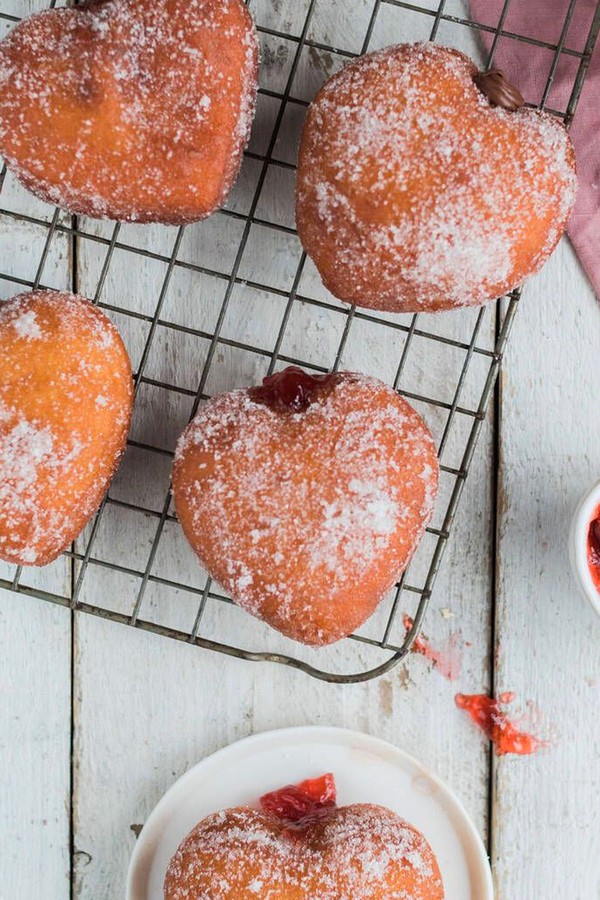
{"points": [[447, 660], [487, 713]]}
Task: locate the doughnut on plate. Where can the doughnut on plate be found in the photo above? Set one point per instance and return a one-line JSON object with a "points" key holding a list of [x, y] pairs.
{"points": [[366, 769]]}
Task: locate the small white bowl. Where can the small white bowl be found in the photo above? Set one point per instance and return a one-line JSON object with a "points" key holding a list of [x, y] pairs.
{"points": [[578, 541]]}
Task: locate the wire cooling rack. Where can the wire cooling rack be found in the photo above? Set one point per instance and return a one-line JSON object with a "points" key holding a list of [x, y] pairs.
{"points": [[222, 303]]}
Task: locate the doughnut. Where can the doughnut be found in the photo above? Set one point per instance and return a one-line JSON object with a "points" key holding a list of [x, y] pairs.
{"points": [[65, 403], [362, 851], [306, 497], [135, 110], [359, 852], [424, 184]]}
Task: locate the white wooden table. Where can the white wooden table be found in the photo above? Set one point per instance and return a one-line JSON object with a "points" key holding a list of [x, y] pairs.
{"points": [[97, 720]]}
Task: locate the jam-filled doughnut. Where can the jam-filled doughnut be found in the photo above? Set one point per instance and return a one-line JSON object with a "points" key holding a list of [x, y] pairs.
{"points": [[306, 497], [358, 852], [65, 404], [136, 110], [424, 184]]}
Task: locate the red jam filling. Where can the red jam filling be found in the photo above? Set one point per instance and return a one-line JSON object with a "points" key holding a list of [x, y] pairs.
{"points": [[292, 388], [593, 549], [487, 713], [298, 804]]}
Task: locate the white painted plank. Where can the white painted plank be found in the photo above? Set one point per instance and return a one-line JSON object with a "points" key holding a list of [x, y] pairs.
{"points": [[35, 670], [35, 664], [146, 709], [547, 808], [35, 731]]}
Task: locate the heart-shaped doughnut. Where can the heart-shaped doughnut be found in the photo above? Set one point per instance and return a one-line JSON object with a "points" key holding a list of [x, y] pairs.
{"points": [[65, 403], [425, 185], [137, 110], [359, 852], [306, 497]]}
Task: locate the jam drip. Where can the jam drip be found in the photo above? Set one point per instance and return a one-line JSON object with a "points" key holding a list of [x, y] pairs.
{"points": [[593, 549], [487, 713], [300, 804], [292, 388], [499, 91]]}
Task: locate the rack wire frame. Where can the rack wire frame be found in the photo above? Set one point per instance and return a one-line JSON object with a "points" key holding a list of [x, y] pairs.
{"points": [[504, 310]]}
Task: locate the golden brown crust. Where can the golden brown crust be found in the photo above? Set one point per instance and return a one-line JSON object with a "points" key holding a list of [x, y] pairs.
{"points": [[66, 395], [136, 110], [415, 193], [363, 852], [307, 518]]}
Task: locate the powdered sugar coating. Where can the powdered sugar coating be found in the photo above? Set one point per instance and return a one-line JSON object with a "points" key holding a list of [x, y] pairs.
{"points": [[59, 446], [137, 110], [307, 518], [414, 193], [359, 852]]}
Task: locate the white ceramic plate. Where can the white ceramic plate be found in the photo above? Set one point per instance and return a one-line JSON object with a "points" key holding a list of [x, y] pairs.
{"points": [[366, 770]]}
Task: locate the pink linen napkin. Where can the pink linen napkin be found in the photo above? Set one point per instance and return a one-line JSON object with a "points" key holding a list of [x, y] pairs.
{"points": [[528, 66]]}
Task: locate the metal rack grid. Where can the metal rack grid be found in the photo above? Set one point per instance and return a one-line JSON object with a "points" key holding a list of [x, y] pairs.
{"points": [[467, 402]]}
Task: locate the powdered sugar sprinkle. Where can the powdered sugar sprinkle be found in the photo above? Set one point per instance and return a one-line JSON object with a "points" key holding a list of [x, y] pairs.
{"points": [[414, 193], [292, 511], [46, 445], [361, 852], [147, 115]]}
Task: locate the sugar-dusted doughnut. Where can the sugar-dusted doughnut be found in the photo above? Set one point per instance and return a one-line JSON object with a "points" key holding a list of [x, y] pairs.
{"points": [[137, 110], [306, 497], [424, 184], [359, 852], [65, 404]]}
